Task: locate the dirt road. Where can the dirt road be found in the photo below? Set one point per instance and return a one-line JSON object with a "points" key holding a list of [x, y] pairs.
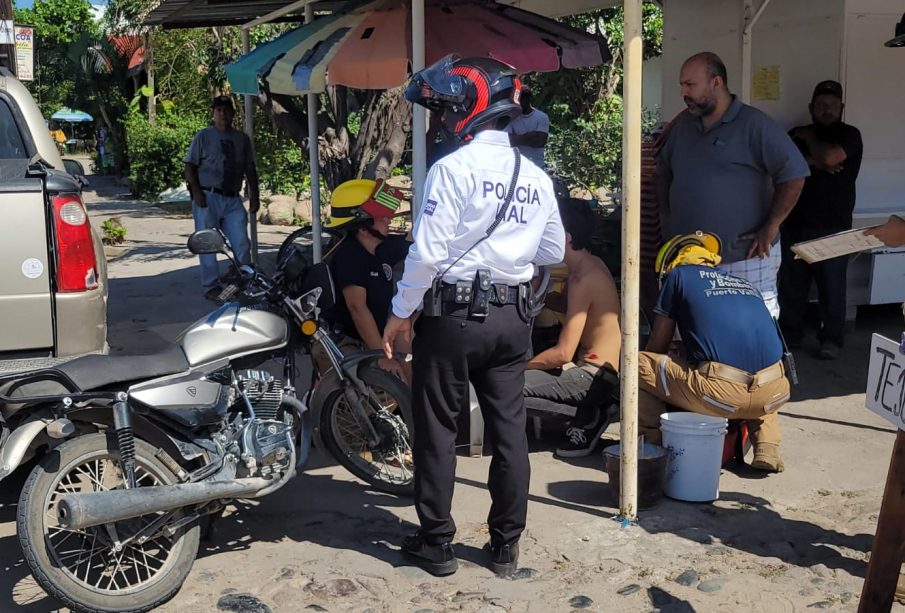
{"points": [[787, 542]]}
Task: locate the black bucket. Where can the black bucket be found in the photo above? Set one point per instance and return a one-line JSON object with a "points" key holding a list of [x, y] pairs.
{"points": [[651, 472]]}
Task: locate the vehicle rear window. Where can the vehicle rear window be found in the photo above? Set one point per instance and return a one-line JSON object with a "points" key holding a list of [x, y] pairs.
{"points": [[12, 146]]}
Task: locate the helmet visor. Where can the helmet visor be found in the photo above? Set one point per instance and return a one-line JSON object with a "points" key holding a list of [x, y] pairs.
{"points": [[436, 86]]}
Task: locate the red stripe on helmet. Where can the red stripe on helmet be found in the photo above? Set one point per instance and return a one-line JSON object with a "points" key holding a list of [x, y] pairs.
{"points": [[482, 87]]}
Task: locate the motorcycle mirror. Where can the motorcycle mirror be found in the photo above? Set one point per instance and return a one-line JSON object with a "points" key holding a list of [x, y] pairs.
{"points": [[207, 241]]}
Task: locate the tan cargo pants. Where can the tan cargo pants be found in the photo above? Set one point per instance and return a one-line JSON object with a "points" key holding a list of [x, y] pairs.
{"points": [[710, 388]]}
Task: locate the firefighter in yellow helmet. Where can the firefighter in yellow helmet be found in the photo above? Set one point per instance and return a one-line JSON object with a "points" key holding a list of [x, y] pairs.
{"points": [[732, 365], [362, 265]]}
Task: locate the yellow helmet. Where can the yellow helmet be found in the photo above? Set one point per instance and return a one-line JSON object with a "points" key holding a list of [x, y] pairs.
{"points": [[362, 199], [701, 248]]}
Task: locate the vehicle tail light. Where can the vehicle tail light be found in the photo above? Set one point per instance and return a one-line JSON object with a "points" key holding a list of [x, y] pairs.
{"points": [[76, 263]]}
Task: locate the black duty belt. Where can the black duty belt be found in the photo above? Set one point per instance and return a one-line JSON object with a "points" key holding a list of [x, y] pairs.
{"points": [[222, 192], [461, 293]]}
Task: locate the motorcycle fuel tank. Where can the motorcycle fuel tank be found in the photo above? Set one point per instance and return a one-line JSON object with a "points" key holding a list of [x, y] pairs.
{"points": [[232, 331]]}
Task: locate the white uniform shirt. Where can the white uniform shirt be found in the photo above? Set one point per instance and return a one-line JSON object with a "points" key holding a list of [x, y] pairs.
{"points": [[462, 195], [535, 121]]}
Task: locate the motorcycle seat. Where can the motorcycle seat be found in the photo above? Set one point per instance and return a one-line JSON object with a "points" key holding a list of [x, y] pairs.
{"points": [[96, 371]]}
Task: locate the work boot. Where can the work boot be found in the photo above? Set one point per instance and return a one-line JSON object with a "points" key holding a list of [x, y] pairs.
{"points": [[503, 558], [767, 458], [439, 560]]}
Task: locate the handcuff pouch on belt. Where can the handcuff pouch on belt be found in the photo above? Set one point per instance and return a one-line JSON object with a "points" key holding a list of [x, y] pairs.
{"points": [[481, 294]]}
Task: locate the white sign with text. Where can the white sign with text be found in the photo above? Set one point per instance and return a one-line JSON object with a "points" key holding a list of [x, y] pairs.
{"points": [[25, 51], [885, 394]]}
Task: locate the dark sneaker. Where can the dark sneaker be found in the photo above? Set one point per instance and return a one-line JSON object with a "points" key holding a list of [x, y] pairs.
{"points": [[828, 351], [503, 558], [438, 560], [580, 442], [213, 293]]}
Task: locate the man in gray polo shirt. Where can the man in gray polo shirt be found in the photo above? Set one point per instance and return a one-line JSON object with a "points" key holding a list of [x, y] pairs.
{"points": [[217, 161], [727, 168]]}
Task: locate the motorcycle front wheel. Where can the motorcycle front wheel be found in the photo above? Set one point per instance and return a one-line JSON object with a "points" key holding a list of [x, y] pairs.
{"points": [[387, 466], [85, 569]]}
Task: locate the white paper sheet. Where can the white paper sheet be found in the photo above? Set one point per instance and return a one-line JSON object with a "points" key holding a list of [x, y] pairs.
{"points": [[834, 245]]}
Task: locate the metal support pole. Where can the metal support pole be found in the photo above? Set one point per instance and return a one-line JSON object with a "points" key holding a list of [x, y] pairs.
{"points": [[250, 130], [749, 18], [631, 254], [419, 125], [314, 163]]}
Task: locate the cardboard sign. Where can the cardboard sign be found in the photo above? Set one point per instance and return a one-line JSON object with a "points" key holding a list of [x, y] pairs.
{"points": [[885, 394]]}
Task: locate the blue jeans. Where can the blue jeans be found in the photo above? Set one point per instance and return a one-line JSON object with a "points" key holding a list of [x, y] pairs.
{"points": [[230, 216]]}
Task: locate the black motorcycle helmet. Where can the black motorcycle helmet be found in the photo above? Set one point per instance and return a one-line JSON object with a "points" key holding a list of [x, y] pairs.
{"points": [[470, 93]]}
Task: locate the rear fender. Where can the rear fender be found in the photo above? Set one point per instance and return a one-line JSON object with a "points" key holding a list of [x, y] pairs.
{"points": [[20, 440]]}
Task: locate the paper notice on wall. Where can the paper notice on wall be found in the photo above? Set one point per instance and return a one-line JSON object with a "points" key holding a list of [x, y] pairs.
{"points": [[25, 53], [834, 245], [766, 83]]}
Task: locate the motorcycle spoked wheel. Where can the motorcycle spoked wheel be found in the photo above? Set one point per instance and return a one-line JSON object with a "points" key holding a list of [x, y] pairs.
{"points": [[390, 467], [80, 567]]}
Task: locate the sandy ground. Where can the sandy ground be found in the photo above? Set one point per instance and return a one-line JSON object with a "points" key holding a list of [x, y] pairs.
{"points": [[789, 542]]}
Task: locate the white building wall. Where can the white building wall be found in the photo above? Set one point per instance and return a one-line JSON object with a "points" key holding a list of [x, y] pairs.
{"points": [[801, 37], [813, 40]]}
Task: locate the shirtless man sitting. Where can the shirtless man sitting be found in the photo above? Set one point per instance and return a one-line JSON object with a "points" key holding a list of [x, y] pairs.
{"points": [[580, 371]]}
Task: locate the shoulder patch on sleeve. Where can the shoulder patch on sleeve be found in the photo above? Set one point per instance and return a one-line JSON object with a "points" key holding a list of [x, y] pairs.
{"points": [[429, 207]]}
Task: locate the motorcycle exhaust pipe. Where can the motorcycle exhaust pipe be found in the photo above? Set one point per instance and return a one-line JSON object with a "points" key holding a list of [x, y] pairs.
{"points": [[78, 511]]}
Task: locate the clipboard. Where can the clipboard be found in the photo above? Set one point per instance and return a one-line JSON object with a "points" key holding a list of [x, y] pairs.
{"points": [[834, 245]]}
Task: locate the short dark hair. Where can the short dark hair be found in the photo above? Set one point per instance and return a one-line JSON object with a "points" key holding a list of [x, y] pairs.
{"points": [[578, 219], [715, 65], [222, 101]]}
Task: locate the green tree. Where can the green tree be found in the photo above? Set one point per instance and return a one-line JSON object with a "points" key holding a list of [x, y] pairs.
{"points": [[585, 106], [58, 24]]}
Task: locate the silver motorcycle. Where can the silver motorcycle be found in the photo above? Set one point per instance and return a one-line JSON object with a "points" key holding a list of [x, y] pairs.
{"points": [[139, 450]]}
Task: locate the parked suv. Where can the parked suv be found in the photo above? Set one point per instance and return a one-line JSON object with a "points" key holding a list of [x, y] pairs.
{"points": [[53, 274]]}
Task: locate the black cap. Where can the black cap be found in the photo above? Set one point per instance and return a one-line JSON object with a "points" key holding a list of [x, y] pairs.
{"points": [[832, 88], [899, 40], [222, 101]]}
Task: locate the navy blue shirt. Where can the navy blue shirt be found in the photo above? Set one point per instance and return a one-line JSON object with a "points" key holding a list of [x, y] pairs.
{"points": [[721, 318], [352, 264]]}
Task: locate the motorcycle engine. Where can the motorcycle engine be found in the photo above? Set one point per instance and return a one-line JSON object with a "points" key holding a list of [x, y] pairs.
{"points": [[265, 444], [264, 391], [266, 447]]}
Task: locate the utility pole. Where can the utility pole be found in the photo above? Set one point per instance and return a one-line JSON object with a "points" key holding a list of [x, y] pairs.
{"points": [[7, 36]]}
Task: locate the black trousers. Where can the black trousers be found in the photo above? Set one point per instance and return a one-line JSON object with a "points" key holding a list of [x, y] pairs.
{"points": [[795, 285], [448, 351]]}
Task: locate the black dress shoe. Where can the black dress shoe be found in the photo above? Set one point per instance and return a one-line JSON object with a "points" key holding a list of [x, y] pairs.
{"points": [[503, 558], [439, 560]]}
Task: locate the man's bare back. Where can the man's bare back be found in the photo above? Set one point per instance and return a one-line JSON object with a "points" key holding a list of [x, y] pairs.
{"points": [[591, 285]]}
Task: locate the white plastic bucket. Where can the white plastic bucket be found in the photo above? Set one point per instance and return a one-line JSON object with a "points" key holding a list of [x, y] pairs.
{"points": [[695, 446]]}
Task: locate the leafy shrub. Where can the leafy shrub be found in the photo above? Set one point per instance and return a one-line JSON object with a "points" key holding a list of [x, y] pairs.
{"points": [[156, 153], [282, 165], [114, 232], [590, 148]]}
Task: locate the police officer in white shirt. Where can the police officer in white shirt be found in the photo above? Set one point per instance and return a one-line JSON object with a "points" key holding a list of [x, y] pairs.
{"points": [[488, 217]]}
